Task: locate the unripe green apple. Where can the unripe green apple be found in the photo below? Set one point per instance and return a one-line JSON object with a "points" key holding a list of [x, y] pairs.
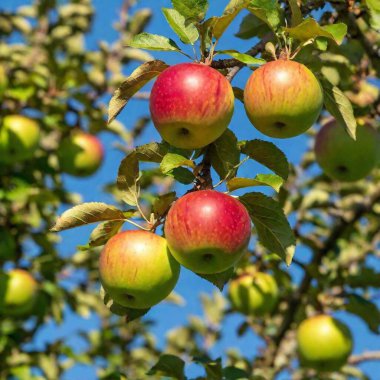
{"points": [[253, 293], [283, 98], [137, 269], [324, 343], [18, 290], [207, 231], [19, 137], [80, 154], [191, 105], [343, 158]]}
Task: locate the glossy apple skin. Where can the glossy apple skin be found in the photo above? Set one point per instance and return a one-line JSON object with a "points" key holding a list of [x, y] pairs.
{"points": [[137, 270], [343, 158], [283, 99], [324, 343], [18, 290], [191, 105], [19, 137], [207, 231], [80, 154], [253, 293]]}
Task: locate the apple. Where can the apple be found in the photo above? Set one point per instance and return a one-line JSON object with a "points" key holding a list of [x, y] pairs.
{"points": [[283, 98], [80, 154], [18, 291], [343, 158], [324, 343], [137, 269], [207, 231], [191, 105], [253, 293], [19, 137]]}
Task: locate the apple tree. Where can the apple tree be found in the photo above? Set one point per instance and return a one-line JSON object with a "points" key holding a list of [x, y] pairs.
{"points": [[189, 200]]}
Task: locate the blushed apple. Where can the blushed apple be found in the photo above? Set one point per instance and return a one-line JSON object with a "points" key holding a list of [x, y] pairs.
{"points": [[80, 154], [283, 98], [191, 105], [343, 158], [207, 231], [324, 343], [137, 269]]}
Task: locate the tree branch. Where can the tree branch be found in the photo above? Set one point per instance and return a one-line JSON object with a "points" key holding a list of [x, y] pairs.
{"points": [[365, 356]]}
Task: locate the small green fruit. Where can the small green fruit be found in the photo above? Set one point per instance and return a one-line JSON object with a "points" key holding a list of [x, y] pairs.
{"points": [[253, 293], [324, 343]]}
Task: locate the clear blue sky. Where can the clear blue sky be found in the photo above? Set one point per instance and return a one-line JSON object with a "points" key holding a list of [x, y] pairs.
{"points": [[189, 286]]}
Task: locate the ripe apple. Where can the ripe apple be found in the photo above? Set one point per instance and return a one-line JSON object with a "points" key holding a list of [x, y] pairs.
{"points": [[283, 98], [19, 137], [324, 343], [253, 293], [191, 105], [343, 158], [80, 154], [137, 270], [18, 290], [207, 231]]}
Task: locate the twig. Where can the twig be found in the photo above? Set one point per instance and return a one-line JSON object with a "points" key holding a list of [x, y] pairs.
{"points": [[365, 356]]}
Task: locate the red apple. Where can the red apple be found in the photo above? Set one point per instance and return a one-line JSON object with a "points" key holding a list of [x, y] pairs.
{"points": [[137, 270], [191, 105], [207, 231], [324, 343], [283, 98], [80, 154]]}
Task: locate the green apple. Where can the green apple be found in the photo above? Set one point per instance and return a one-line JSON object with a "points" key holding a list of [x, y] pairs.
{"points": [[324, 343], [80, 154], [137, 269], [191, 105], [253, 293], [283, 98], [18, 290], [19, 137], [343, 158], [207, 231]]}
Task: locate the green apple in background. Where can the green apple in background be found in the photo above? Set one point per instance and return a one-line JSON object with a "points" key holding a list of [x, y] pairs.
{"points": [[191, 105], [253, 293], [19, 137], [283, 98], [18, 290], [137, 269], [207, 231], [80, 154], [324, 343], [7, 245], [343, 158]]}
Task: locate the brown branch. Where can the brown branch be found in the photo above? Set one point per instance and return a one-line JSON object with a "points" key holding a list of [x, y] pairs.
{"points": [[365, 356]]}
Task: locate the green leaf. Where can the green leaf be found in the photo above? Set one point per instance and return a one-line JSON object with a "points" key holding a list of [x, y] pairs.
{"points": [[245, 58], [127, 179], [182, 175], [366, 277], [252, 26], [234, 373], [194, 10], [218, 279], [364, 309], [374, 12], [213, 368], [87, 213], [174, 160], [266, 10], [103, 232], [225, 155], [273, 229], [271, 180], [150, 41], [188, 33], [296, 12], [340, 107], [267, 154], [152, 152], [309, 29], [141, 76], [169, 365], [162, 204]]}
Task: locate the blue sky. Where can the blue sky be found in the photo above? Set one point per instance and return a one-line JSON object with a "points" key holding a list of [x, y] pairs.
{"points": [[189, 286]]}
